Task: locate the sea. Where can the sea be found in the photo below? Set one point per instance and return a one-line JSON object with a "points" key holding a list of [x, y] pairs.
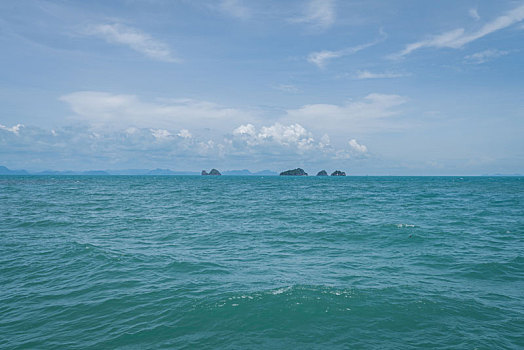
{"points": [[253, 262]]}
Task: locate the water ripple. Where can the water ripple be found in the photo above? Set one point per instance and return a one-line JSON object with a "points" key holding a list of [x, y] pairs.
{"points": [[261, 262]]}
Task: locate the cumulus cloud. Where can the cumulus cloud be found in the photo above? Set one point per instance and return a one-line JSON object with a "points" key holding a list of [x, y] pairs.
{"points": [[282, 142], [294, 133], [357, 147], [320, 14], [138, 41], [126, 127], [485, 56], [184, 133], [245, 145], [248, 129], [78, 146], [286, 135], [160, 134], [457, 38]]}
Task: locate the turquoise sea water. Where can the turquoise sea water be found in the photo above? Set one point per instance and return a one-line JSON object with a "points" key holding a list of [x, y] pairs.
{"points": [[188, 262]]}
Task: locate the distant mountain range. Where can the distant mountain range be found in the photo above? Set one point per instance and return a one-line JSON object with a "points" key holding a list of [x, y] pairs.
{"points": [[246, 172], [5, 171], [156, 172]]}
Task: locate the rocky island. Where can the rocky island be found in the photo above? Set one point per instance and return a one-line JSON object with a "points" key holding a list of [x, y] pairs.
{"points": [[294, 172], [338, 173], [322, 173], [212, 172]]}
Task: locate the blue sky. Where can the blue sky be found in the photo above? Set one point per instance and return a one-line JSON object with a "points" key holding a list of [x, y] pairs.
{"points": [[370, 87]]}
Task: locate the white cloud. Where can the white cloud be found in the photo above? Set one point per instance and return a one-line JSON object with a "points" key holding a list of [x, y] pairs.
{"points": [[102, 109], [283, 142], [185, 134], [81, 145], [325, 141], [365, 74], [160, 134], [319, 14], [141, 42], [15, 129], [457, 38], [284, 135], [485, 56], [235, 8], [320, 58], [365, 115], [248, 129], [131, 130], [357, 147], [130, 124], [246, 146], [474, 14]]}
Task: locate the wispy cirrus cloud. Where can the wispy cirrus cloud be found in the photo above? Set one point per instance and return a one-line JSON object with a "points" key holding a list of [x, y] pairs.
{"points": [[473, 13], [365, 74], [320, 58], [287, 88], [485, 56], [320, 14], [235, 8], [116, 33], [459, 37]]}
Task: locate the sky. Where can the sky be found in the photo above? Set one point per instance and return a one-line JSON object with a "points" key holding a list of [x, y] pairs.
{"points": [[370, 87]]}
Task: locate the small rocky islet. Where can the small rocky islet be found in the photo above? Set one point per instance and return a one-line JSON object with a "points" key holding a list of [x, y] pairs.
{"points": [[294, 172], [213, 172], [301, 172]]}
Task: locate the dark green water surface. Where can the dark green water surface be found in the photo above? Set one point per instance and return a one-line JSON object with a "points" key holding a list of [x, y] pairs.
{"points": [[183, 262]]}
